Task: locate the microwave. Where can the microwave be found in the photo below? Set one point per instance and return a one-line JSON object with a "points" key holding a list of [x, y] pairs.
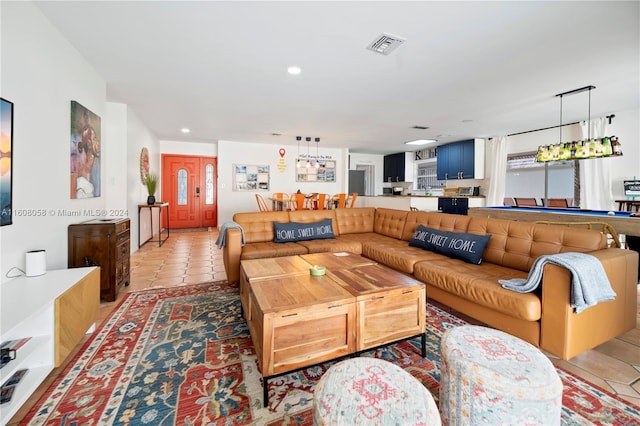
{"points": [[469, 191]]}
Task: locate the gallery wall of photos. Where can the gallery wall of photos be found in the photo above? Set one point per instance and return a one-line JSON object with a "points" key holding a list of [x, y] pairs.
{"points": [[325, 172], [250, 177]]}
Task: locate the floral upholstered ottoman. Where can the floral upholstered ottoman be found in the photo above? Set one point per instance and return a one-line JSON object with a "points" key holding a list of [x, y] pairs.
{"points": [[489, 377], [371, 391]]}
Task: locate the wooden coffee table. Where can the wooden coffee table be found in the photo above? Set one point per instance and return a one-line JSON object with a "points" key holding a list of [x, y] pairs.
{"points": [[297, 320]]}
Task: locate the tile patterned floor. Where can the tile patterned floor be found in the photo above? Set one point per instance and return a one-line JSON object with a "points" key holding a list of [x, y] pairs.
{"points": [[193, 257]]}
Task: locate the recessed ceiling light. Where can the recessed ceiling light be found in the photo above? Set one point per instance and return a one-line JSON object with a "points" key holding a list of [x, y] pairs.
{"points": [[185, 130], [294, 70], [421, 142]]}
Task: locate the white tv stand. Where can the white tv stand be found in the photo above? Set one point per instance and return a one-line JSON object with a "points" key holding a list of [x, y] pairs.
{"points": [[54, 310]]}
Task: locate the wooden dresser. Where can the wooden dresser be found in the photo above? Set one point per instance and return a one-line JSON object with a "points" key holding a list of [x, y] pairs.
{"points": [[104, 243]]}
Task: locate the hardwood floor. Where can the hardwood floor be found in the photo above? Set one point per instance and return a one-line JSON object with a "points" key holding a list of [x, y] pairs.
{"points": [[193, 257]]}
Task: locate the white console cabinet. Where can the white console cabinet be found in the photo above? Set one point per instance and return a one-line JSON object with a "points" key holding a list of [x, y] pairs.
{"points": [[54, 310]]}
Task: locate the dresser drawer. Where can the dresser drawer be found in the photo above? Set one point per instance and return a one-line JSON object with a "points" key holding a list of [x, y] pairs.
{"points": [[122, 251], [122, 226], [122, 236]]}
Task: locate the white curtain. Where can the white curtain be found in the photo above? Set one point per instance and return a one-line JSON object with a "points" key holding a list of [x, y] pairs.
{"points": [[496, 170], [595, 174]]}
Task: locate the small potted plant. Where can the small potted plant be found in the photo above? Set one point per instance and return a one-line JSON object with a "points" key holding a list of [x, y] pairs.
{"points": [[151, 182]]}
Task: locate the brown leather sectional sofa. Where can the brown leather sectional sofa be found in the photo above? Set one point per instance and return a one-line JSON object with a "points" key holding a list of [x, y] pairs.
{"points": [[543, 318]]}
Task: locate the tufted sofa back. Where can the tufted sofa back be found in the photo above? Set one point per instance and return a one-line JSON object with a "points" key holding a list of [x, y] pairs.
{"points": [[518, 244], [258, 227], [390, 222], [356, 220]]}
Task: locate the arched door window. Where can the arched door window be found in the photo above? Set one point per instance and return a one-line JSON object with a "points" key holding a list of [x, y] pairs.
{"points": [[208, 188], [182, 187]]}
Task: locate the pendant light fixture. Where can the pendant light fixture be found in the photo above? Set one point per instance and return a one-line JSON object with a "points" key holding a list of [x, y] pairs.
{"points": [[298, 163], [317, 156], [308, 139]]}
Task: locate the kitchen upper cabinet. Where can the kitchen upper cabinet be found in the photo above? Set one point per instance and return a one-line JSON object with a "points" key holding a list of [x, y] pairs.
{"points": [[399, 167], [461, 160]]}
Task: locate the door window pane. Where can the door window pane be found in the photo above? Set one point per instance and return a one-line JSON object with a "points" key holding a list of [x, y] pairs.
{"points": [[208, 186], [182, 187]]}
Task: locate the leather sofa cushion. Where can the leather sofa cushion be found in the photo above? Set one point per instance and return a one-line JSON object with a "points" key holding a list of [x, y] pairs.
{"points": [[354, 221], [390, 222], [271, 249], [518, 244], [479, 284], [396, 254], [258, 227], [333, 245]]}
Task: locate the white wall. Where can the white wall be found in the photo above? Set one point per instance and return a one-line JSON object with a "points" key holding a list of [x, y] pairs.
{"points": [[281, 179], [202, 149], [41, 74], [138, 137]]}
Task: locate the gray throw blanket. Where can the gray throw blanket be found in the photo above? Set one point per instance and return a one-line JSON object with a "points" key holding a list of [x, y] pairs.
{"points": [[222, 237], [589, 282]]}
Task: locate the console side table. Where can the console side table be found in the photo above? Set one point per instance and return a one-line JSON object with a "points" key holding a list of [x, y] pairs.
{"points": [[161, 231]]}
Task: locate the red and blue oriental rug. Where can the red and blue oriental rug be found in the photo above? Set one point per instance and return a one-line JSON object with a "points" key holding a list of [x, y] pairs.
{"points": [[183, 356]]}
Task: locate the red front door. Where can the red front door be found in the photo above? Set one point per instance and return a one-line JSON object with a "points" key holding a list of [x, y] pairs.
{"points": [[189, 185]]}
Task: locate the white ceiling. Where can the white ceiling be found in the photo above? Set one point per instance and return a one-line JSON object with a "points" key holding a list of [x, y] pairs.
{"points": [[220, 68]]}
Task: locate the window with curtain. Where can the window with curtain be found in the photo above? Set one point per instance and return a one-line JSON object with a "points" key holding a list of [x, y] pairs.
{"points": [[525, 177]]}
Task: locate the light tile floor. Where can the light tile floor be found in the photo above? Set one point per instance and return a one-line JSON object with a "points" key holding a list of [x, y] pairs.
{"points": [[193, 257]]}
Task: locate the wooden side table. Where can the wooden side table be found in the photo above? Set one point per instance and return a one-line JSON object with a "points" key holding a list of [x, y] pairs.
{"points": [[160, 207]]}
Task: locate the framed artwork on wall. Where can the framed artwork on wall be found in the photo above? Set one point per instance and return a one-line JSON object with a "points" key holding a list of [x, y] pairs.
{"points": [[324, 172], [6, 162], [85, 152], [248, 177]]}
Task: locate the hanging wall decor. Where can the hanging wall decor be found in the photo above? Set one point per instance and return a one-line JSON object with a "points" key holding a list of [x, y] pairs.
{"points": [[248, 177], [144, 165], [314, 168], [6, 162], [85, 152], [282, 165]]}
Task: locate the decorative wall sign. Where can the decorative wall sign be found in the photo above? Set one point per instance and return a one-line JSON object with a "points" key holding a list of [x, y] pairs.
{"points": [[250, 177], [85, 152], [6, 163], [282, 165], [144, 165], [319, 171]]}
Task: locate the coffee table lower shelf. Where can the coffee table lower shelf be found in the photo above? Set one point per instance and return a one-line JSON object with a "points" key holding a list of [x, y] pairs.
{"points": [[265, 379]]}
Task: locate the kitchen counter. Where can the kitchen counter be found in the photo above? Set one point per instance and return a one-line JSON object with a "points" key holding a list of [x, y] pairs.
{"points": [[405, 202]]}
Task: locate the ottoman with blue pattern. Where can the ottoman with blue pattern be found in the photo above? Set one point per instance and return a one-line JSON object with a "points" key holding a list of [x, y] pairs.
{"points": [[370, 391], [489, 377]]}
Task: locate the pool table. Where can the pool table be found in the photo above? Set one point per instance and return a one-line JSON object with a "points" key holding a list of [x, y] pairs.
{"points": [[622, 222]]}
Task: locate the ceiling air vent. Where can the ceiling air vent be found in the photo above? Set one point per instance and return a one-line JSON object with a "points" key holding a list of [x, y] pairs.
{"points": [[385, 43]]}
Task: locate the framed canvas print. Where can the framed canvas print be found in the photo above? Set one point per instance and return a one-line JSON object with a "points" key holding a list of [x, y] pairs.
{"points": [[85, 152], [6, 163]]}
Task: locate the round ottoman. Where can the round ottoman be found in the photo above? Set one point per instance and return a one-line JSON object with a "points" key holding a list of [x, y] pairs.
{"points": [[490, 377], [373, 392]]}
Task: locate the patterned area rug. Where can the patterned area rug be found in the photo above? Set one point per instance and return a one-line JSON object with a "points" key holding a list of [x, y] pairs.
{"points": [[183, 356]]}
